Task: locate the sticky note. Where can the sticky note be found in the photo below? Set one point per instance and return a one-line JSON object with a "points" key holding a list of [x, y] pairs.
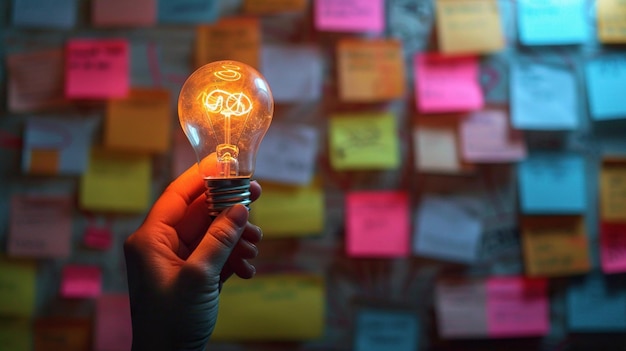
{"points": [[98, 238], [141, 122], [552, 183], [460, 307], [363, 141], [446, 83], [469, 26], [555, 245], [60, 14], [187, 11], [613, 247], [121, 13], [105, 61], [276, 307], [613, 192], [35, 80], [370, 70], [596, 303], [611, 21], [543, 97], [183, 155], [517, 306], [297, 145], [272, 7], [295, 73], [289, 211], [17, 288], [437, 147], [349, 15], [58, 333], [40, 226], [446, 230], [81, 281], [606, 79], [57, 145], [16, 336], [116, 183], [234, 38], [112, 327], [386, 330], [552, 22], [377, 224]]}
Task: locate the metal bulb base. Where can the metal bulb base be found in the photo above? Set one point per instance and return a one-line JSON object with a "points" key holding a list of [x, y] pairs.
{"points": [[223, 193]]}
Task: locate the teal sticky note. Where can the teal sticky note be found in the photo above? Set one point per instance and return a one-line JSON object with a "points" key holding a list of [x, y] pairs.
{"points": [[606, 85], [552, 183], [552, 22], [597, 303], [44, 13], [188, 11], [386, 330]]}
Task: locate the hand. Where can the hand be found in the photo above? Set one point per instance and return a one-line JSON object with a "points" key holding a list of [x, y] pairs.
{"points": [[177, 261]]}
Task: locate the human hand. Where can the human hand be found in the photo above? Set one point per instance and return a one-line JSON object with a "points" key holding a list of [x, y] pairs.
{"points": [[177, 261]]}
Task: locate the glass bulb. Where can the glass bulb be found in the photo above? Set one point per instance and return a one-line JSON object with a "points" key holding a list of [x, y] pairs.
{"points": [[225, 108]]}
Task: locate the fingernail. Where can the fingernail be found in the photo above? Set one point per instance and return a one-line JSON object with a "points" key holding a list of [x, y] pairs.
{"points": [[260, 232], [238, 214]]}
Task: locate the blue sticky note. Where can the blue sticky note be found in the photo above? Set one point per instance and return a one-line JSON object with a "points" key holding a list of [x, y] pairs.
{"points": [[550, 22], [597, 303], [386, 330], [606, 85], [44, 13], [552, 183], [188, 11]]}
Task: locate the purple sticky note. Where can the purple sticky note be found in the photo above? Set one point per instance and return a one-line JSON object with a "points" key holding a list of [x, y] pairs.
{"points": [[350, 15]]}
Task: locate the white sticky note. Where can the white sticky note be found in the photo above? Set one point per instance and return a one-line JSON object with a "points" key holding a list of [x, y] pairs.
{"points": [[44, 13], [436, 150], [295, 73]]}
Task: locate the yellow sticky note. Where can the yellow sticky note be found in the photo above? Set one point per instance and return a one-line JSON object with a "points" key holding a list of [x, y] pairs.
{"points": [[555, 245], [270, 7], [139, 123], [16, 335], [469, 26], [271, 307], [289, 211], [233, 38], [17, 287], [370, 70], [611, 21], [116, 183], [364, 141], [613, 192]]}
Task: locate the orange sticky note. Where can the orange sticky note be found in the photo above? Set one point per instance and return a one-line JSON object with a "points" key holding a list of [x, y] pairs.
{"points": [[35, 80], [236, 39], [81, 281], [123, 13], [140, 122], [270, 7], [370, 70], [613, 247], [97, 68], [613, 191], [469, 26], [62, 334], [44, 161], [113, 327], [555, 245], [611, 21]]}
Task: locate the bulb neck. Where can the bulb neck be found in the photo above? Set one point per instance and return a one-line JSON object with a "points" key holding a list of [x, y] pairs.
{"points": [[223, 193]]}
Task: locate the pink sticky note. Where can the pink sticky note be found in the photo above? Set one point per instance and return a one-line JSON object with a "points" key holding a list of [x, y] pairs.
{"points": [[98, 238], [613, 247], [377, 224], [81, 281], [40, 226], [113, 328], [486, 136], [96, 68], [123, 13], [447, 83], [350, 15], [517, 306]]}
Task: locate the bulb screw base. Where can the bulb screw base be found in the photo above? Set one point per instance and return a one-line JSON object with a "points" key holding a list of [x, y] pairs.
{"points": [[223, 193]]}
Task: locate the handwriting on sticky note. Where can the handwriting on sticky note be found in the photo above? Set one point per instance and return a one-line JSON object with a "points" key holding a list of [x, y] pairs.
{"points": [[44, 14], [17, 288], [187, 11], [446, 84], [555, 245], [294, 73], [613, 247], [113, 327], [611, 21], [552, 22], [377, 224], [349, 15], [40, 226], [606, 79], [236, 39], [364, 141], [55, 333], [270, 7], [460, 306], [105, 61], [370, 70], [272, 307], [613, 192], [517, 306], [487, 137], [595, 303], [121, 13], [469, 26], [386, 330], [81, 281], [290, 211]]}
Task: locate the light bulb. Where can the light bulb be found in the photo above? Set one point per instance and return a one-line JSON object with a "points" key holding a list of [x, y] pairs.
{"points": [[225, 108]]}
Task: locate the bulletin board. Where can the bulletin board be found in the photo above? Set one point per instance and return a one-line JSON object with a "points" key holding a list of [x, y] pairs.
{"points": [[434, 155]]}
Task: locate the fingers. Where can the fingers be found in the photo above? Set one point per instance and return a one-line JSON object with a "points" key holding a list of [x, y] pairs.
{"points": [[255, 190]]}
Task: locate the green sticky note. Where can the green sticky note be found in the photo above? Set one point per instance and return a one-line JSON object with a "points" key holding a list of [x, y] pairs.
{"points": [[17, 288]]}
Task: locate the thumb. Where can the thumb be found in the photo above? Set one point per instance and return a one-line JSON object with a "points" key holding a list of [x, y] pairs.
{"points": [[220, 239]]}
